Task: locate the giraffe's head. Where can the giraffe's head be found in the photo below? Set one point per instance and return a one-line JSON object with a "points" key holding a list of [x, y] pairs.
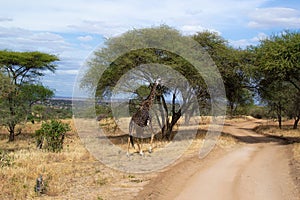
{"points": [[158, 81]]}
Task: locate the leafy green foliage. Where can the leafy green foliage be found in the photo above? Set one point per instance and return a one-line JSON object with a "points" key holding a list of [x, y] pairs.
{"points": [[37, 93], [5, 87], [230, 63], [277, 73], [138, 49], [24, 67], [21, 71], [278, 57], [53, 133], [111, 66]]}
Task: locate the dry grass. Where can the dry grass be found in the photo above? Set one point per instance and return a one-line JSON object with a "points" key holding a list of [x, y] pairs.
{"points": [[287, 132], [292, 135], [18, 181], [73, 173], [200, 122], [70, 174]]}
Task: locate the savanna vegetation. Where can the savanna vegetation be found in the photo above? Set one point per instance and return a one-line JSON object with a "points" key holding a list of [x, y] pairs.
{"points": [[20, 89], [261, 81]]}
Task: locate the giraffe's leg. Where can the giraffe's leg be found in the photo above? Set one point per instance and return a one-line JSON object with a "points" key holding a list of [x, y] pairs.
{"points": [[138, 130], [150, 148], [141, 151], [140, 147], [128, 146], [152, 136], [130, 137]]}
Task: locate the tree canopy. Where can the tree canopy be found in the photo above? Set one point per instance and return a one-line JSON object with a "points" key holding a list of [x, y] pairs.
{"points": [[265, 70], [231, 64], [278, 58], [276, 71], [150, 53], [21, 72]]}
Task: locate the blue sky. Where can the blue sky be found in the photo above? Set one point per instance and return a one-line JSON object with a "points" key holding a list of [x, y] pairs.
{"points": [[72, 29]]}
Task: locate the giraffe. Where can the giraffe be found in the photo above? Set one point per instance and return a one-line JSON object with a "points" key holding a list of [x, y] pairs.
{"points": [[142, 119]]}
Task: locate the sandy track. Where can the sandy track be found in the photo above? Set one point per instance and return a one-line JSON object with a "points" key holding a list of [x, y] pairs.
{"points": [[251, 172], [257, 170], [266, 176]]}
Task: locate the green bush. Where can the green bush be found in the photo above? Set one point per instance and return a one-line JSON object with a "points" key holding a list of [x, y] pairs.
{"points": [[259, 112], [53, 133], [5, 159]]}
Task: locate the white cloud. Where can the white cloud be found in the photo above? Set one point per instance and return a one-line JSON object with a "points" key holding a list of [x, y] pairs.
{"points": [[24, 40], [5, 19], [69, 72], [260, 36], [107, 29], [46, 37], [13, 32], [275, 17], [85, 38], [192, 29], [115, 17], [242, 43]]}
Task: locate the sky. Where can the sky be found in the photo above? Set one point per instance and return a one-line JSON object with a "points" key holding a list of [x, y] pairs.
{"points": [[73, 29]]}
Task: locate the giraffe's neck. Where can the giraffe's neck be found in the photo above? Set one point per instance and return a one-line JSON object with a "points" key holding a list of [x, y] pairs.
{"points": [[151, 96]]}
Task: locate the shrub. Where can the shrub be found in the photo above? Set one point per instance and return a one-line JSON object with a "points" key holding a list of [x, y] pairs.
{"points": [[53, 133], [259, 112], [5, 159]]}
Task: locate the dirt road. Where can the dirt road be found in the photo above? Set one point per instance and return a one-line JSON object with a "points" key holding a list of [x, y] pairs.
{"points": [[259, 169]]}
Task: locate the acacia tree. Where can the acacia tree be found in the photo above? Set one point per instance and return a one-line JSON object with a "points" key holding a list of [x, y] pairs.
{"points": [[112, 69], [22, 71], [274, 95], [230, 62], [277, 71]]}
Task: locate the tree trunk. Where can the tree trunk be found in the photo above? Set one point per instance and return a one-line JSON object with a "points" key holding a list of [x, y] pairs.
{"points": [[175, 117], [168, 129], [11, 135], [11, 129], [279, 116], [231, 109], [168, 125], [166, 118], [11, 124], [279, 121], [295, 126]]}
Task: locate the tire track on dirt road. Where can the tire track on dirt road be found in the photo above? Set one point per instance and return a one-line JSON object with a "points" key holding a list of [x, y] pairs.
{"points": [[259, 169]]}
